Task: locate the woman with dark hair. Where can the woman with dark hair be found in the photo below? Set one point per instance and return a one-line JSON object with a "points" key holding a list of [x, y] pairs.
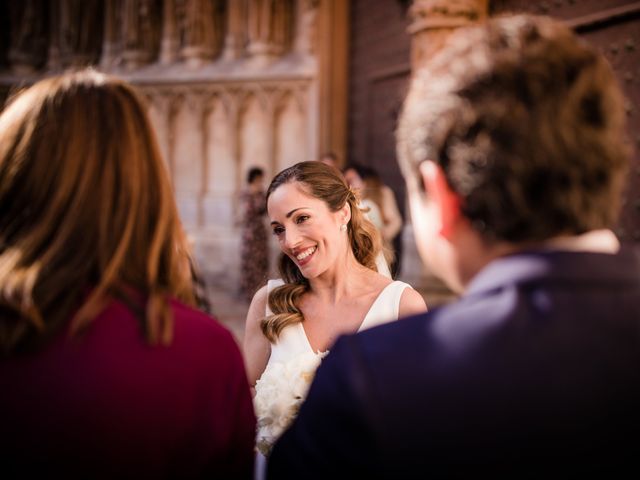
{"points": [[254, 249], [108, 370], [329, 286]]}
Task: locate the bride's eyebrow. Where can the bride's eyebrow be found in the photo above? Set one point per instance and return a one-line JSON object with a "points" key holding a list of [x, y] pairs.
{"points": [[288, 215], [294, 211]]}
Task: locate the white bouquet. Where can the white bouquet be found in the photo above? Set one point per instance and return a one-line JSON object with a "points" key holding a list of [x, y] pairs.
{"points": [[279, 393]]}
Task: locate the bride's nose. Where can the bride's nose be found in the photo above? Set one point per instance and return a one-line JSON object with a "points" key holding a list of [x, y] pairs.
{"points": [[291, 238]]}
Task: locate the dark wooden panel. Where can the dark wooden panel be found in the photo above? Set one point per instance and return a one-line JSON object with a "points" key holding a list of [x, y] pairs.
{"points": [[379, 48], [620, 42], [385, 100], [564, 9], [613, 26]]}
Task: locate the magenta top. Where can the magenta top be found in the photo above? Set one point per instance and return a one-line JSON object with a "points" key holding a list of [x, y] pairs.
{"points": [[107, 404]]}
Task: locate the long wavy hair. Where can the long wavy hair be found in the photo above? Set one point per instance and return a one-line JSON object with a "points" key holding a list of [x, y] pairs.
{"points": [[327, 184], [86, 212]]}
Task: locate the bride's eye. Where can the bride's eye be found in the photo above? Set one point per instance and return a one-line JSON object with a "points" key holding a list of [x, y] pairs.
{"points": [[302, 219], [278, 230]]}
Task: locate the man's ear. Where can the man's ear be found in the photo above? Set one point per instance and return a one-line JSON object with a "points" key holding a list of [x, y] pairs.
{"points": [[445, 200]]}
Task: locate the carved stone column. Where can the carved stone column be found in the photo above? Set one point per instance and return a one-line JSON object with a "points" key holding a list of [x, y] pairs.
{"points": [[170, 39], [111, 46], [202, 31], [434, 20], [270, 26], [236, 39], [27, 35], [307, 27], [80, 31], [53, 55], [140, 32]]}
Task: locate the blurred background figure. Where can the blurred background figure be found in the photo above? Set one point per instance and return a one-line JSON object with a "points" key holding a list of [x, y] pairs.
{"points": [[108, 368], [254, 249], [330, 158], [383, 209]]}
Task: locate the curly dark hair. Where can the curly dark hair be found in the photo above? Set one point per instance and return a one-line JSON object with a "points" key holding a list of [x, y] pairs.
{"points": [[527, 122]]}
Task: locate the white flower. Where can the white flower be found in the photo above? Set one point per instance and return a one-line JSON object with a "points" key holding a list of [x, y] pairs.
{"points": [[279, 393]]}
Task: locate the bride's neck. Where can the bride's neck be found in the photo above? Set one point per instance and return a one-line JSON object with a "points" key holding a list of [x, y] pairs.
{"points": [[341, 280]]}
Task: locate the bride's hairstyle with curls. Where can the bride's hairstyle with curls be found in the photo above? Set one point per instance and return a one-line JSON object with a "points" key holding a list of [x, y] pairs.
{"points": [[86, 213], [325, 183]]}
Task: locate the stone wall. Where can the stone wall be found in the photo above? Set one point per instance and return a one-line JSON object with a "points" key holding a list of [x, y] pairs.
{"points": [[230, 85]]}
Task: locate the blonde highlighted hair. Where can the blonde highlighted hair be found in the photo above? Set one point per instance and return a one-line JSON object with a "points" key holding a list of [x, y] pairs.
{"points": [[325, 183], [86, 212]]}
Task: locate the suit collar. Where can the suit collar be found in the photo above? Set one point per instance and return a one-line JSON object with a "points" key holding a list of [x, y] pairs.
{"points": [[556, 265]]}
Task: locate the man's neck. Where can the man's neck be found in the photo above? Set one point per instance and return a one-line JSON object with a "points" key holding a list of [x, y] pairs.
{"points": [[597, 241]]}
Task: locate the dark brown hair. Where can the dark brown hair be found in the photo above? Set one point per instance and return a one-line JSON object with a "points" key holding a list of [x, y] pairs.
{"points": [[527, 122], [327, 184]]}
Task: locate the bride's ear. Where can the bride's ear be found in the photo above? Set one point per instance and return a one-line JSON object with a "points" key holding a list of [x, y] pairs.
{"points": [[345, 214], [445, 200]]}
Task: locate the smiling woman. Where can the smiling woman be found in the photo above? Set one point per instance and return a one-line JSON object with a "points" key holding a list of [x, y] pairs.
{"points": [[330, 285]]}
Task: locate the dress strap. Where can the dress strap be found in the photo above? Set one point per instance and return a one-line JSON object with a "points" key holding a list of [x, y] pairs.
{"points": [[271, 284], [386, 307]]}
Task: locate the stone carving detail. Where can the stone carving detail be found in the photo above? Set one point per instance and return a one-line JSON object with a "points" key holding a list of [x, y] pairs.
{"points": [[80, 30], [111, 42], [140, 32], [234, 107], [433, 20], [27, 35], [307, 31], [53, 34], [427, 14], [236, 36], [212, 134], [201, 30], [270, 27]]}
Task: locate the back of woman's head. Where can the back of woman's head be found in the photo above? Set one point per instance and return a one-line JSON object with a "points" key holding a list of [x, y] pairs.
{"points": [[86, 210], [326, 183]]}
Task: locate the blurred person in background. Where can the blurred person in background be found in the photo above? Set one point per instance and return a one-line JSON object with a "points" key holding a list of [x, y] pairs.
{"points": [[383, 209], [254, 248]]}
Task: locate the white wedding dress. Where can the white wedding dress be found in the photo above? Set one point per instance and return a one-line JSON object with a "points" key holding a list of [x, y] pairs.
{"points": [[293, 346], [293, 340]]}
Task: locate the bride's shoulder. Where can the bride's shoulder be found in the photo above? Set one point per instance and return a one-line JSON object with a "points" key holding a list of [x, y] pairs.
{"points": [[411, 302]]}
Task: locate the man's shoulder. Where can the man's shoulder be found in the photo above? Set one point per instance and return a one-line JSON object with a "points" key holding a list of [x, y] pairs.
{"points": [[475, 314]]}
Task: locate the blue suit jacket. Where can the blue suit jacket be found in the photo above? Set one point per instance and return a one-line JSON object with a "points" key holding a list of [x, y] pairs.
{"points": [[534, 372]]}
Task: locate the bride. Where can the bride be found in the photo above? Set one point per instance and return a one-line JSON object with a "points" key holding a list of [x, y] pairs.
{"points": [[330, 286]]}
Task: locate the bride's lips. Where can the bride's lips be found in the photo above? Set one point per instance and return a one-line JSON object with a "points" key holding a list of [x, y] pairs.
{"points": [[310, 252]]}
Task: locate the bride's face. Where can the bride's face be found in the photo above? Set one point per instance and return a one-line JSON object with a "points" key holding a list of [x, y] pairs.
{"points": [[307, 231]]}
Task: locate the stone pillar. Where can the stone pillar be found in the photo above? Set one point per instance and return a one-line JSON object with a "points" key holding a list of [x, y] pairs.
{"points": [[111, 45], [270, 28], [170, 41], [236, 38], [27, 35], [53, 56], [202, 33], [140, 32], [307, 27], [433, 21], [80, 31]]}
